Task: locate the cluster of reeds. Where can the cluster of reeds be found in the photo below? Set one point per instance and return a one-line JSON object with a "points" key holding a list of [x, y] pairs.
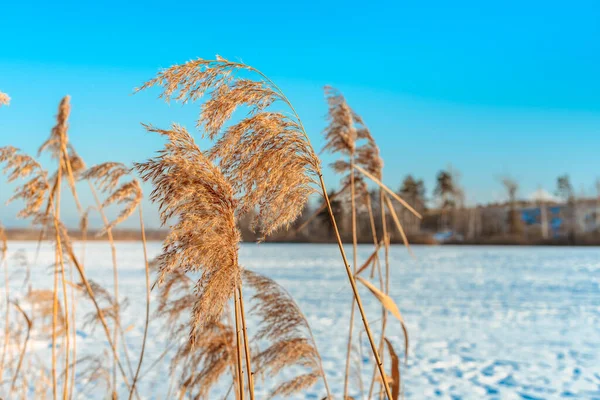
{"points": [[261, 166], [54, 312]]}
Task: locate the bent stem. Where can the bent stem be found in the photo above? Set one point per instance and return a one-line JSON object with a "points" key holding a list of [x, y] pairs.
{"points": [[22, 355]]}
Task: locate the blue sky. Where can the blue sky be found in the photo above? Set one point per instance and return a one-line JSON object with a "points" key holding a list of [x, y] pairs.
{"points": [[493, 88]]}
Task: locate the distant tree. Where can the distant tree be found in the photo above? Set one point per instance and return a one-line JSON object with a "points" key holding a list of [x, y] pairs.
{"points": [[565, 191], [445, 191], [413, 191], [514, 216]]}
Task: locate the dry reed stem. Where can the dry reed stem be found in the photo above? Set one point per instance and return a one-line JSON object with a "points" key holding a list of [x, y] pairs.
{"points": [[345, 129], [238, 349], [246, 344], [3, 263], [147, 320], [399, 226], [354, 269], [321, 208], [24, 350]]}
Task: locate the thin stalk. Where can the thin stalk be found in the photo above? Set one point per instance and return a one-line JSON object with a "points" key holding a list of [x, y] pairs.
{"points": [[399, 225], [74, 329], [321, 208], [246, 345], [59, 251], [113, 252], [312, 337], [354, 255], [7, 315], [23, 350], [147, 322], [91, 295], [240, 368], [355, 291], [387, 280], [57, 255]]}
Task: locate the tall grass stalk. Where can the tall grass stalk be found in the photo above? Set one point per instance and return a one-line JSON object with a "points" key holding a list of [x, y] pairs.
{"points": [[147, 320], [250, 376], [4, 263]]}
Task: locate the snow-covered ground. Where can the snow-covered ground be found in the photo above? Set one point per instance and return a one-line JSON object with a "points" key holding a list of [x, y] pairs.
{"points": [[484, 322]]}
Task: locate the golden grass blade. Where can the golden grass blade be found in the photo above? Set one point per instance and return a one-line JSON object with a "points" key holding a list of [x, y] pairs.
{"points": [[395, 370], [389, 305], [399, 225], [369, 260], [383, 298], [389, 191]]}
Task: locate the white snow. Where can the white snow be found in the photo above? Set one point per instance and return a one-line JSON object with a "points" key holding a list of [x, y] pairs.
{"points": [[484, 322]]}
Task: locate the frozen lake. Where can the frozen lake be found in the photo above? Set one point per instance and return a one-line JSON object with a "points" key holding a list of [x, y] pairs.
{"points": [[484, 322]]}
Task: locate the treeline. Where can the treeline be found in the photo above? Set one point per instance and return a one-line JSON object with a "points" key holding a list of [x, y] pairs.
{"points": [[574, 220]]}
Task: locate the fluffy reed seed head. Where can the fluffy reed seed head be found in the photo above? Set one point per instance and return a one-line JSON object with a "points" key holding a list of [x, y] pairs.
{"points": [[58, 134], [347, 134], [284, 326], [206, 359], [33, 192], [203, 360], [107, 177], [4, 99], [266, 155], [188, 187], [340, 133]]}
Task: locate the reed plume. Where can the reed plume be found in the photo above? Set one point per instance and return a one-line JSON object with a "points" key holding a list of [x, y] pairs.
{"points": [[35, 190], [290, 338], [205, 238], [203, 361], [4, 99], [267, 156]]}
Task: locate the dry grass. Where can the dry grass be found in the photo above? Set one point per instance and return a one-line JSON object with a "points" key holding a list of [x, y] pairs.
{"points": [[261, 165]]}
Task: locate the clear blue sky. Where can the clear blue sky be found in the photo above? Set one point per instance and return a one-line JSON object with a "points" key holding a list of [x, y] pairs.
{"points": [[493, 88]]}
